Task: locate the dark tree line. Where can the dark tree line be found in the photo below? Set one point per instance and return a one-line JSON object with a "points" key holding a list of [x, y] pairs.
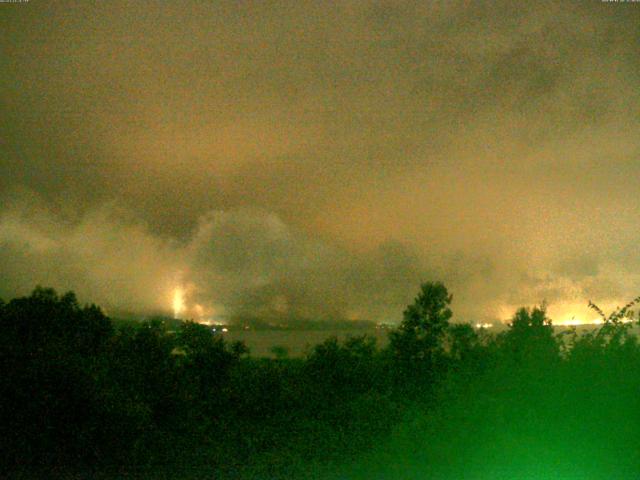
{"points": [[87, 397]]}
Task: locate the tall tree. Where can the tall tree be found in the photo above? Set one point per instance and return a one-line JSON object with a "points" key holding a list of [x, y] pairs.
{"points": [[419, 340]]}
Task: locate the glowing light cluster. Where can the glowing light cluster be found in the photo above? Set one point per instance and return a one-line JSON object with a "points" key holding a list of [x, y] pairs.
{"points": [[484, 325]]}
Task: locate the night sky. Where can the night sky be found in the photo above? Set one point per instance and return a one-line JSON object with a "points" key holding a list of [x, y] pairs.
{"points": [[320, 159]]}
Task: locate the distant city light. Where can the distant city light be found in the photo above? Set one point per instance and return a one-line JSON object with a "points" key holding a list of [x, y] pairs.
{"points": [[484, 325]]}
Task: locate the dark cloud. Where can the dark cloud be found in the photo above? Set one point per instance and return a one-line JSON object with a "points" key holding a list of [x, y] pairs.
{"points": [[322, 160]]}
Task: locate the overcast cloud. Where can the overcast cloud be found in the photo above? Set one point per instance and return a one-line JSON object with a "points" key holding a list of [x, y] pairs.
{"points": [[306, 159]]}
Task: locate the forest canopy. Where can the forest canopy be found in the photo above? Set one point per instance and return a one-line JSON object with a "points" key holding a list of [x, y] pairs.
{"points": [[442, 398]]}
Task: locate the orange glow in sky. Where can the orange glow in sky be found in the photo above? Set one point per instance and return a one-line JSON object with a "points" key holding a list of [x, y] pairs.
{"points": [[178, 302]]}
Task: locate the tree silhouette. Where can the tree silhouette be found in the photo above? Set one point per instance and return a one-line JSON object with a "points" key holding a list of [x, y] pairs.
{"points": [[462, 340], [530, 338], [418, 342]]}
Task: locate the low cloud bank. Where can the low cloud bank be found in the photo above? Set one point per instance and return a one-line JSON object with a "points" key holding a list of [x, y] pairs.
{"points": [[250, 263]]}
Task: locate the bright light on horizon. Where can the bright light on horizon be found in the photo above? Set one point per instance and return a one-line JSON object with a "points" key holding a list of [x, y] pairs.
{"points": [[573, 322], [484, 325], [178, 301], [564, 314]]}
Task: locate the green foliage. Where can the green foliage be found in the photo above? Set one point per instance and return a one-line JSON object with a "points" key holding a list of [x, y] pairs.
{"points": [[617, 316], [49, 365], [346, 368], [46, 321], [530, 338], [418, 344], [463, 341], [280, 352], [88, 399]]}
